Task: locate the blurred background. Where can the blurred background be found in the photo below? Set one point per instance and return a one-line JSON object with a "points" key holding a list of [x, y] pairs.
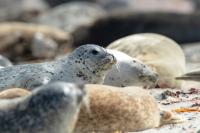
{"points": [[71, 23]]}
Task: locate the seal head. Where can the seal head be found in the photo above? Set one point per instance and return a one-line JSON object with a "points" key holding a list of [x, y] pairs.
{"points": [[92, 60]]}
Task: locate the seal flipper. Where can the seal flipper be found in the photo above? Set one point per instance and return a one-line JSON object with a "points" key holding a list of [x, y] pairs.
{"points": [[193, 75], [194, 78], [168, 117]]}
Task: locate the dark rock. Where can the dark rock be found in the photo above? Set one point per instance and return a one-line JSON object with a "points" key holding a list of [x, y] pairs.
{"points": [[180, 27]]}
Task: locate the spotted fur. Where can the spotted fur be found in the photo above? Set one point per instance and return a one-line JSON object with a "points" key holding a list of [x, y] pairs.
{"points": [[52, 108], [87, 64]]}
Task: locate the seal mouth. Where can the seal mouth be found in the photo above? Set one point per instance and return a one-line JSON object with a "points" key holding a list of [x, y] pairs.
{"points": [[110, 59], [108, 62]]}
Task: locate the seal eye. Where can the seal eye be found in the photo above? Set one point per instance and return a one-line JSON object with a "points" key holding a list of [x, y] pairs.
{"points": [[94, 52]]}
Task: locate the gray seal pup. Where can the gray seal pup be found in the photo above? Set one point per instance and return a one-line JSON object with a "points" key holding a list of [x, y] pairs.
{"points": [[159, 52], [52, 108], [86, 64], [129, 71], [127, 109]]}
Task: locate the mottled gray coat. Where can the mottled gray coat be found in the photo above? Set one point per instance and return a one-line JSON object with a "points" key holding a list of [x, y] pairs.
{"points": [[53, 108], [86, 64]]}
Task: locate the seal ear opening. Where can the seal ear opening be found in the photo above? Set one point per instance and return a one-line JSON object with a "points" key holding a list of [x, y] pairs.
{"points": [[168, 117]]}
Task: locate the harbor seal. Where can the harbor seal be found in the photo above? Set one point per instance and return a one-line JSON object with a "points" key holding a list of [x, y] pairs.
{"points": [[125, 109], [129, 71], [87, 64], [52, 108], [161, 53]]}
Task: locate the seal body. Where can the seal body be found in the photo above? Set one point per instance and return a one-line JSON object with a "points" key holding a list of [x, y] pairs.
{"points": [[129, 71], [159, 52], [13, 93], [87, 64], [53, 108], [125, 109]]}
